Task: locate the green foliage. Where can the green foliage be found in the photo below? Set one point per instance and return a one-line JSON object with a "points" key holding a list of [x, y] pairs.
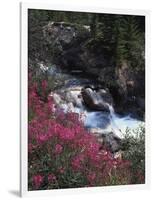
{"points": [[130, 41], [53, 82], [39, 16], [135, 152]]}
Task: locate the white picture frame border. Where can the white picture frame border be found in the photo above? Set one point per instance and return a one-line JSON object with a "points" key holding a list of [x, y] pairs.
{"points": [[24, 96]]}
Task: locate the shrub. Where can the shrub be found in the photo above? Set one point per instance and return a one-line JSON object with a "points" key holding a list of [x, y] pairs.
{"points": [[130, 42], [135, 152], [62, 154]]}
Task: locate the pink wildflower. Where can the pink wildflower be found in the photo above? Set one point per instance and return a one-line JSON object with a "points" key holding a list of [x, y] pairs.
{"points": [[37, 181], [77, 162], [44, 84], [58, 149], [42, 138], [91, 177], [67, 134], [61, 170], [51, 178]]}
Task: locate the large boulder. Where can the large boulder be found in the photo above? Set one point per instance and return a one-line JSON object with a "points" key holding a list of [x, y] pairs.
{"points": [[96, 100], [64, 39], [108, 139], [72, 47]]}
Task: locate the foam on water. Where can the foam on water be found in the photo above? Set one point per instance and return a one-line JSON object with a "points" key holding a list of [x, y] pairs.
{"points": [[111, 122], [105, 121]]}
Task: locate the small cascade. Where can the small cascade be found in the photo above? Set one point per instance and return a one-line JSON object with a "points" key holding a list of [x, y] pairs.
{"points": [[119, 124], [113, 125], [111, 109]]}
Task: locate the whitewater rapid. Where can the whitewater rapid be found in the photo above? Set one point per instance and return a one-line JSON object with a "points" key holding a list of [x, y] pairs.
{"points": [[99, 121]]}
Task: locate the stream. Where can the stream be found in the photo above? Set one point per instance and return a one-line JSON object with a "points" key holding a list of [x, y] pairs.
{"points": [[69, 99]]}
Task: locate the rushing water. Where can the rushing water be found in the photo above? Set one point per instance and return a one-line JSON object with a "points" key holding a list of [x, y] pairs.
{"points": [[94, 120], [107, 121], [118, 124]]}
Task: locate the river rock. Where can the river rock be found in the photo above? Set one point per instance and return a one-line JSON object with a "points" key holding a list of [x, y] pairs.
{"points": [[74, 97], [112, 142], [96, 100]]}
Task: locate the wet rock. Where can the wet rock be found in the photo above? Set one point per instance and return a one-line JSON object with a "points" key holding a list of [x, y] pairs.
{"points": [[96, 100], [108, 139], [61, 104], [74, 97]]}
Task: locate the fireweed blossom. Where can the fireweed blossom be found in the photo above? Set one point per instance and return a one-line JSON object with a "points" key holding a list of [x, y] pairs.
{"points": [[51, 178], [91, 177], [77, 162], [61, 170], [37, 181], [58, 149], [62, 135]]}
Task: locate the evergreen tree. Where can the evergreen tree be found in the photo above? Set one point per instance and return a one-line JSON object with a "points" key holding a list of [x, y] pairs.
{"points": [[130, 41]]}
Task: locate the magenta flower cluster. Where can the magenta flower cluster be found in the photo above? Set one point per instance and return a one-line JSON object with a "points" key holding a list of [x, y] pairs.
{"points": [[62, 153]]}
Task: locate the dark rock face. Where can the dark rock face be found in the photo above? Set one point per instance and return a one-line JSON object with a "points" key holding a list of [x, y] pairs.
{"points": [[131, 89], [141, 102], [96, 100], [58, 34], [131, 83], [74, 49], [66, 40]]}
